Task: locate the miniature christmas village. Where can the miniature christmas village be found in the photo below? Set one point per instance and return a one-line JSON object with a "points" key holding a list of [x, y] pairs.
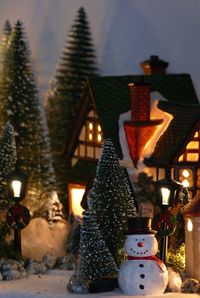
{"points": [[117, 145]]}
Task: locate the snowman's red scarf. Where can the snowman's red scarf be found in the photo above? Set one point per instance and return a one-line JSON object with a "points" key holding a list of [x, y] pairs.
{"points": [[160, 264]]}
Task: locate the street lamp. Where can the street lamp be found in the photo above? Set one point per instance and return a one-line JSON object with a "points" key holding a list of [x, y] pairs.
{"points": [[18, 216], [167, 195], [16, 185]]}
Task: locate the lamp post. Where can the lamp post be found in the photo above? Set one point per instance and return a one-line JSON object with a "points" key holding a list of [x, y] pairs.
{"points": [[18, 216], [167, 196]]}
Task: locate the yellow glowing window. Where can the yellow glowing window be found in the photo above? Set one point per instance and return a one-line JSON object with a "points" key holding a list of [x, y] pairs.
{"points": [[90, 136], [76, 193], [193, 145], [192, 157], [196, 134], [99, 137], [180, 158], [90, 126], [186, 177], [99, 128]]}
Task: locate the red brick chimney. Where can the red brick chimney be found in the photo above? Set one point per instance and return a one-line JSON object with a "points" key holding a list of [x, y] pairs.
{"points": [[141, 128], [140, 102], [154, 66]]}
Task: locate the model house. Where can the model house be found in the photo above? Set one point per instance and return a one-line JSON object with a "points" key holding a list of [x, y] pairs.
{"points": [[153, 120]]}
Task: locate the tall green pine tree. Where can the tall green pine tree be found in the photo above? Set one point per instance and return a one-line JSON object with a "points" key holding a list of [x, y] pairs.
{"points": [[8, 158], [77, 62], [24, 111], [112, 199], [96, 260]]}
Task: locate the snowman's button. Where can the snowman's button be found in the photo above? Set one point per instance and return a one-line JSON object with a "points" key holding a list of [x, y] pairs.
{"points": [[141, 265], [141, 287], [142, 276]]}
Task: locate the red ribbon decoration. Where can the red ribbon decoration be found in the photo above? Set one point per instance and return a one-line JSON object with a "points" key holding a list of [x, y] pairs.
{"points": [[160, 264]]}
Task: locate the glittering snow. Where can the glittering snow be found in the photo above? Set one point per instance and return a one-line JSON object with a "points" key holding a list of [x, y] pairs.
{"points": [[53, 285]]}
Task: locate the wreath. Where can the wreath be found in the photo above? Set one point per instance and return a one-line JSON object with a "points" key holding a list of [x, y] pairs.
{"points": [[170, 220], [18, 217]]}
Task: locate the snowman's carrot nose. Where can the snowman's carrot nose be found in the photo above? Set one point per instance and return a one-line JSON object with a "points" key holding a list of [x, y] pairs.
{"points": [[140, 244]]}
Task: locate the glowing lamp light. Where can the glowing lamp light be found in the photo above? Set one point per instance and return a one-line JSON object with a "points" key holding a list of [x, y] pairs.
{"points": [[165, 192], [189, 225], [185, 183], [16, 185], [185, 173]]}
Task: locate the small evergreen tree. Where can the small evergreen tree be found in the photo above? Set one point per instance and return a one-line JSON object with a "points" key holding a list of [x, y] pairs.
{"points": [[96, 260], [77, 62], [24, 111], [8, 159], [112, 199]]}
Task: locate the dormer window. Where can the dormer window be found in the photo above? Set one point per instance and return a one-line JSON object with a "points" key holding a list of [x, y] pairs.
{"points": [[192, 152], [188, 170], [90, 138]]}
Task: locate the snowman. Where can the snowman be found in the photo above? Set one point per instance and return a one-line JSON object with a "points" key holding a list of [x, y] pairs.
{"points": [[143, 273]]}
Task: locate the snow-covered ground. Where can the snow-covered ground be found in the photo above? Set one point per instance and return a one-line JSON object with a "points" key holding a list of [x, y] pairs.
{"points": [[53, 285]]}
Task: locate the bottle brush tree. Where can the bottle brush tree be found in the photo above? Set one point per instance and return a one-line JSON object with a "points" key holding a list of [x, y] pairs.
{"points": [[24, 110], [78, 62], [112, 199], [96, 261], [8, 158]]}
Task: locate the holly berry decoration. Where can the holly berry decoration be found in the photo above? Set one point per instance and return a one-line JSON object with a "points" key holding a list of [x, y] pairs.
{"points": [[167, 217], [18, 217]]}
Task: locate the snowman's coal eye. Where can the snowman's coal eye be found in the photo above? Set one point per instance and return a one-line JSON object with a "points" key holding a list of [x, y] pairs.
{"points": [[136, 240], [143, 239]]}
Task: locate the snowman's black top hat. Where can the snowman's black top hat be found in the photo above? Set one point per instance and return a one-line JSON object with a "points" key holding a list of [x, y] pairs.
{"points": [[140, 225]]}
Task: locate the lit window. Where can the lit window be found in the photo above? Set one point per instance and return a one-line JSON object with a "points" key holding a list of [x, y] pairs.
{"points": [[90, 136], [186, 177], [186, 173], [99, 128], [76, 193], [185, 183], [193, 145], [192, 157], [90, 126], [99, 138], [180, 158]]}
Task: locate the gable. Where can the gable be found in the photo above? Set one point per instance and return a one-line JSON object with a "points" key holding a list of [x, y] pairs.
{"points": [[89, 143], [192, 148]]}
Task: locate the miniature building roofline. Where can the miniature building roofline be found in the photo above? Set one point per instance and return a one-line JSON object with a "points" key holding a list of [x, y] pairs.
{"points": [[110, 96]]}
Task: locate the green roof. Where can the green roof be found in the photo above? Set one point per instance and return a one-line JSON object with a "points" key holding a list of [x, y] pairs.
{"points": [[112, 96], [176, 137]]}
